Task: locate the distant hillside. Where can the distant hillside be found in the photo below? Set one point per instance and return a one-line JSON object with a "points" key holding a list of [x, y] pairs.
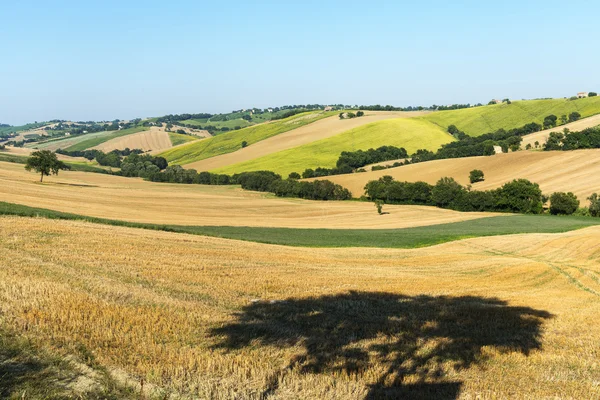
{"points": [[480, 120], [322, 129], [410, 133], [232, 141]]}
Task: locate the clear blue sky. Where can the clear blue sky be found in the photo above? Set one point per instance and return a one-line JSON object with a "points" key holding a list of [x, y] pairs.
{"points": [[96, 60]]}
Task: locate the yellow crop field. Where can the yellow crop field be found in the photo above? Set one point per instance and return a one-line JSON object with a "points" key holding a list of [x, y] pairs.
{"points": [[555, 171], [155, 139], [480, 120], [410, 133], [313, 132], [135, 200], [213, 318]]}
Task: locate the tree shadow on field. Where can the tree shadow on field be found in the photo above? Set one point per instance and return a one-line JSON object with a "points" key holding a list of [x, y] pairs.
{"points": [[414, 340]]}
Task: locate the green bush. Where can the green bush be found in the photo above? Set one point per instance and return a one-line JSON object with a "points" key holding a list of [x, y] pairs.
{"points": [[562, 203], [476, 176]]}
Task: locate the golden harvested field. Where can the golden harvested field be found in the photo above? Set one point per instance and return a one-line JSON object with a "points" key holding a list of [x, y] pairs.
{"points": [[155, 139], [542, 136], [24, 151], [566, 171], [487, 318], [318, 130], [135, 200]]}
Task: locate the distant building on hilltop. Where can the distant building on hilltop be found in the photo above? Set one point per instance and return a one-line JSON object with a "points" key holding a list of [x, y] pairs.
{"points": [[328, 108], [495, 101], [581, 95]]}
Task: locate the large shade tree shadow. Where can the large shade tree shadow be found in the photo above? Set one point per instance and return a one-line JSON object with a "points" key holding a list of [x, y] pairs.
{"points": [[416, 337]]}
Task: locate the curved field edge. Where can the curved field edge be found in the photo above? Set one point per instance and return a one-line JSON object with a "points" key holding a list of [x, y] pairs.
{"points": [[477, 121], [382, 238], [411, 133], [232, 141]]}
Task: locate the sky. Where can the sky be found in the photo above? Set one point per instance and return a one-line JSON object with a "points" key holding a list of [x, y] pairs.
{"points": [[103, 60]]}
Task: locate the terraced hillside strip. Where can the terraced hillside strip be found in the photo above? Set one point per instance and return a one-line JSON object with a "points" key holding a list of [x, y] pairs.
{"points": [[129, 199], [313, 132], [215, 318], [91, 142], [410, 133], [480, 120], [154, 139], [232, 141], [555, 171]]}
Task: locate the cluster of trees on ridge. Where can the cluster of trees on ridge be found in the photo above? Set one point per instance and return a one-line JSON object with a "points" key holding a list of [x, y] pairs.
{"points": [[566, 140]]}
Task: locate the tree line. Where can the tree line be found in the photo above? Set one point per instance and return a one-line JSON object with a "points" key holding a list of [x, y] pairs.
{"points": [[566, 140], [156, 169], [349, 161], [519, 196], [110, 159]]}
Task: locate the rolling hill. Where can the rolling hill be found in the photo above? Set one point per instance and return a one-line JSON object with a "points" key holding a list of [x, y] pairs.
{"points": [[312, 132], [232, 141], [566, 171], [410, 133], [480, 120]]}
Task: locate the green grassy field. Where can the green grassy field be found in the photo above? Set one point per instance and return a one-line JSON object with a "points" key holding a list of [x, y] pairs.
{"points": [[410, 133], [177, 138], [95, 141], [480, 120], [232, 141], [383, 238]]}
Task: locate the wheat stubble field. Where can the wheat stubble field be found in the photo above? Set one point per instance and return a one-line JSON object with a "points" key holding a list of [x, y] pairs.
{"points": [[135, 200], [197, 317]]}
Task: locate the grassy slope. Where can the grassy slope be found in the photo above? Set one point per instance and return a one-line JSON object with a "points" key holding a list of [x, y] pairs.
{"points": [[177, 138], [383, 238], [95, 141], [232, 141], [410, 133], [480, 120], [74, 165]]}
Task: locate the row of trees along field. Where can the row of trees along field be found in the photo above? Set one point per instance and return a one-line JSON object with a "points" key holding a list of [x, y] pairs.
{"points": [[110, 159], [148, 167], [518, 196]]}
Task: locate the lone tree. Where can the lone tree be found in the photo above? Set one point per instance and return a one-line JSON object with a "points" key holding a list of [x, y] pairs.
{"points": [[476, 176], [244, 144], [379, 206], [45, 162]]}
